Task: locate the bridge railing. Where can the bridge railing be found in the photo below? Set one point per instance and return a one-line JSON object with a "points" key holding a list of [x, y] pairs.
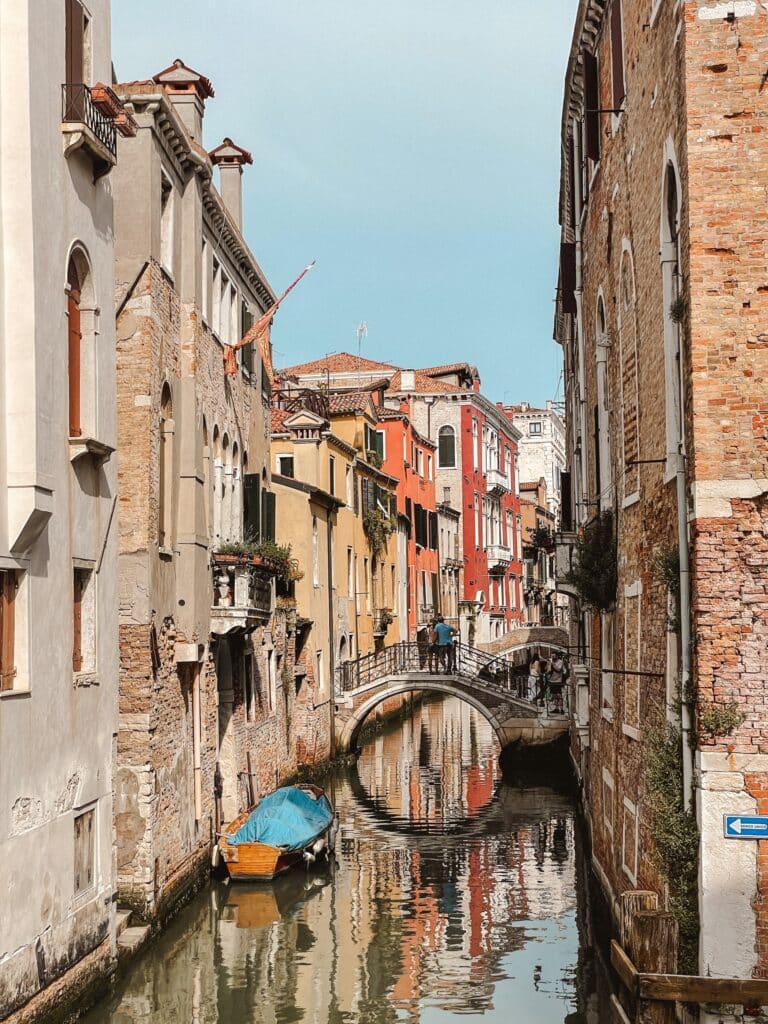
{"points": [[494, 673]]}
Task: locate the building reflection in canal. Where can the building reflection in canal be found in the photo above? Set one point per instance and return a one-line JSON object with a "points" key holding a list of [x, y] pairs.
{"points": [[454, 893]]}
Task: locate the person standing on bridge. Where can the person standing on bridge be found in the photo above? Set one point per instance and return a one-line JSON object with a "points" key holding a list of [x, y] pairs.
{"points": [[432, 650], [444, 644], [536, 679]]}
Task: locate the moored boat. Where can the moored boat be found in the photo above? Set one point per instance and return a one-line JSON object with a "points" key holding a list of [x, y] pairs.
{"points": [[294, 825]]}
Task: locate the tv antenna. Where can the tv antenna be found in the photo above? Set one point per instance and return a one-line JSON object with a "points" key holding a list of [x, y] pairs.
{"points": [[362, 332]]}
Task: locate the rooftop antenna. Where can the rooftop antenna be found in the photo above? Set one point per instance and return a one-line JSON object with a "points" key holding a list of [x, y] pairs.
{"points": [[362, 332]]}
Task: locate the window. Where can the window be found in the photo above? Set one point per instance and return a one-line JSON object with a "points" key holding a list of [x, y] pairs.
{"points": [[534, 427], [356, 590], [374, 441], [76, 48], [446, 495], [246, 323], [617, 56], [81, 347], [608, 791], [271, 680], [165, 488], [630, 841], [332, 475], [248, 691], [85, 847], [216, 312], [8, 589], [604, 490], [446, 448], [671, 287], [477, 521], [205, 284], [315, 554], [629, 380], [606, 666], [166, 223], [349, 486], [320, 674], [83, 621], [366, 584], [475, 446], [632, 646], [592, 107], [429, 467], [350, 574], [420, 461], [285, 465]]}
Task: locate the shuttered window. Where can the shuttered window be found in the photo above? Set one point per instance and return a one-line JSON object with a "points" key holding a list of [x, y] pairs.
{"points": [[356, 492], [592, 106], [7, 629], [433, 532], [568, 277], [267, 515], [617, 55], [446, 448], [75, 43], [74, 340], [77, 619], [251, 506]]}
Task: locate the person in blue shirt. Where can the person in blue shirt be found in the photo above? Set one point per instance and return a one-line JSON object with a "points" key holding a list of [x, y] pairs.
{"points": [[445, 634]]}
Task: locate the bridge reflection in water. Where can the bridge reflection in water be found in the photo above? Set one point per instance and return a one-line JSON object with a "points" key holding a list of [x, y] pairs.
{"points": [[454, 893]]}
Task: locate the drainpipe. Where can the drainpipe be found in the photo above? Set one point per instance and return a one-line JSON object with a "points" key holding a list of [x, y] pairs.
{"points": [[685, 632]]}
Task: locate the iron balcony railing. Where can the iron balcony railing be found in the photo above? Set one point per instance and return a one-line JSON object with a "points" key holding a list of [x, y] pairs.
{"points": [[78, 108]]}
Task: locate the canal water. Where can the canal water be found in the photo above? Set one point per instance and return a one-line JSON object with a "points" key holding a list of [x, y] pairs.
{"points": [[456, 894]]}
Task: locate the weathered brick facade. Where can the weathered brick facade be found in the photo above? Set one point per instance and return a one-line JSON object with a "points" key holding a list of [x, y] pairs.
{"points": [[661, 313], [209, 714]]}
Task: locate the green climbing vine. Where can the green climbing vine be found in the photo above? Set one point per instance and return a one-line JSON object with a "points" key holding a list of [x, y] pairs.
{"points": [[595, 570], [675, 837], [378, 527]]}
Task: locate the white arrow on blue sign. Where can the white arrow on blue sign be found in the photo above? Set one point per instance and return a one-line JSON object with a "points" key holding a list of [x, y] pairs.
{"points": [[745, 826]]}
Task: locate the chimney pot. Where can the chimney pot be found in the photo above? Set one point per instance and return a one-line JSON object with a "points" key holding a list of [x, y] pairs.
{"points": [[230, 159], [187, 90]]}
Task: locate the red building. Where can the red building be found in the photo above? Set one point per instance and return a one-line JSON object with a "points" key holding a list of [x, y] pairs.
{"points": [[412, 458]]}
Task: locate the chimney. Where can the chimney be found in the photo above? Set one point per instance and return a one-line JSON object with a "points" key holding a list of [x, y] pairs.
{"points": [[187, 90], [407, 380], [230, 160]]}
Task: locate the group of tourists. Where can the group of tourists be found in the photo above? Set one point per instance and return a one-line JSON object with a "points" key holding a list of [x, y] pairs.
{"points": [[442, 646], [546, 681]]}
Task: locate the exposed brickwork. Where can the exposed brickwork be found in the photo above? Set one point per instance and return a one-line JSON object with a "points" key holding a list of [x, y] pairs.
{"points": [[693, 116]]}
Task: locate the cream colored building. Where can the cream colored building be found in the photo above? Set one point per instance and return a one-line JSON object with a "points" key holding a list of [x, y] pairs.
{"points": [[58, 478]]}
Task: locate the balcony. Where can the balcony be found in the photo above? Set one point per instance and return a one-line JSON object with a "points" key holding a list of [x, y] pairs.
{"points": [[497, 482], [499, 557], [86, 126], [243, 595]]}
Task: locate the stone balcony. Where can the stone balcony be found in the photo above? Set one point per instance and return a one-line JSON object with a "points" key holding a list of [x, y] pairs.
{"points": [[497, 482], [243, 595], [499, 557]]}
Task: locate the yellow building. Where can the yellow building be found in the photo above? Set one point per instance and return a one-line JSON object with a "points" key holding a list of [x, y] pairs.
{"points": [[337, 510]]}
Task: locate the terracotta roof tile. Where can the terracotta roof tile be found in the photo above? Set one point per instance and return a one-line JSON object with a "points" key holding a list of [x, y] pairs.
{"points": [[424, 384], [438, 371], [277, 418], [349, 401], [337, 362]]}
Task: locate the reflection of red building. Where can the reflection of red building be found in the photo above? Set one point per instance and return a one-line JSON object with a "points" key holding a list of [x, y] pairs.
{"points": [[411, 459]]}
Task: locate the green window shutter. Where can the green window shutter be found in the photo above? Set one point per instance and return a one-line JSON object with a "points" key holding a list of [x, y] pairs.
{"points": [[356, 489], [379, 441], [267, 515], [251, 506]]}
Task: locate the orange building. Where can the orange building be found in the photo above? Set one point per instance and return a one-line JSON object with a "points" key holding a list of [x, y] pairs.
{"points": [[410, 458]]}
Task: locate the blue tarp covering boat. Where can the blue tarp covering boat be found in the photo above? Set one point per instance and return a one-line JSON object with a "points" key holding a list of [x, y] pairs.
{"points": [[290, 818]]}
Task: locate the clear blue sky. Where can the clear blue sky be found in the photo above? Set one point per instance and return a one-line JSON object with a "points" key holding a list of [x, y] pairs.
{"points": [[411, 147]]}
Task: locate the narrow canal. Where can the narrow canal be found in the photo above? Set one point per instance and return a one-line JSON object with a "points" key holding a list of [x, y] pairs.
{"points": [[455, 893]]}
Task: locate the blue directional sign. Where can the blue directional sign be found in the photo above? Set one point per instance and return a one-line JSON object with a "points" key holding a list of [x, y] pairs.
{"points": [[745, 826]]}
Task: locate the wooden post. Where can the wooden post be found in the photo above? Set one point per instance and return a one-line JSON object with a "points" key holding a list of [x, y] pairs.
{"points": [[631, 903], [650, 938]]}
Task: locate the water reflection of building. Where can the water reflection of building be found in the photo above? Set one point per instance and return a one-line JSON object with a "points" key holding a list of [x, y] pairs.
{"points": [[415, 914]]}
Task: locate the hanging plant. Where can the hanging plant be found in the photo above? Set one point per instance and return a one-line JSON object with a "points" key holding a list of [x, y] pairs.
{"points": [[677, 310], [543, 538], [377, 527], [595, 573]]}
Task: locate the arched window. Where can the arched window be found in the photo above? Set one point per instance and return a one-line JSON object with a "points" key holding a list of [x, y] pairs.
{"points": [[165, 490], [236, 527], [218, 475], [206, 479], [629, 376], [226, 489], [446, 447], [673, 312], [81, 354]]}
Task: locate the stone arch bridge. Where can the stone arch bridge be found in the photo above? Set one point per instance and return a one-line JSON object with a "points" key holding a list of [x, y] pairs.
{"points": [[494, 684]]}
